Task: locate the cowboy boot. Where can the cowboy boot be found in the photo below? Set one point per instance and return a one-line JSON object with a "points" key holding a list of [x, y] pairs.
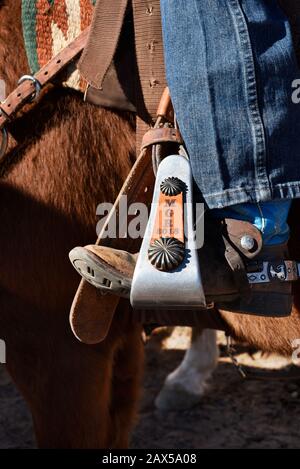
{"points": [[260, 277], [250, 279], [107, 269], [271, 294], [111, 270]]}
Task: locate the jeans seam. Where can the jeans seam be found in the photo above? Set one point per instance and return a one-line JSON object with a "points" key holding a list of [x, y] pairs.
{"points": [[240, 189], [258, 129], [251, 195]]}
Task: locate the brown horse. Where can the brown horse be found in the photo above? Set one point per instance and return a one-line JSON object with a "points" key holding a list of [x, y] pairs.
{"points": [[65, 161]]}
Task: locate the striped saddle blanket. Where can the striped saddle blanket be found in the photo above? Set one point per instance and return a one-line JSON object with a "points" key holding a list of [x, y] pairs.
{"points": [[49, 26]]}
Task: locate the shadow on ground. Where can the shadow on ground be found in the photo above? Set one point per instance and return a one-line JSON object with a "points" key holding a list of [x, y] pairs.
{"points": [[234, 414]]}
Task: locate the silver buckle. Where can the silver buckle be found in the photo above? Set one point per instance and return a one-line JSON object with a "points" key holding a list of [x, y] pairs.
{"points": [[36, 83]]}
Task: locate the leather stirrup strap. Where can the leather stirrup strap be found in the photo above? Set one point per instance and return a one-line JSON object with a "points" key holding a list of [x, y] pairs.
{"points": [[92, 313], [238, 268], [102, 41]]}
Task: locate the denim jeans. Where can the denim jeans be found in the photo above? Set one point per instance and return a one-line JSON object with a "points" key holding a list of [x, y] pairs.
{"points": [[230, 66]]}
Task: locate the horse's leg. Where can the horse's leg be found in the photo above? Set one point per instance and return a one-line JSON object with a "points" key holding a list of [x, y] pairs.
{"points": [[66, 384], [127, 374], [185, 386], [79, 416]]}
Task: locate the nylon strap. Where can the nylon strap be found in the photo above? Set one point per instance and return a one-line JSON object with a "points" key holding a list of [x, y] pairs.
{"points": [[103, 40], [96, 62]]}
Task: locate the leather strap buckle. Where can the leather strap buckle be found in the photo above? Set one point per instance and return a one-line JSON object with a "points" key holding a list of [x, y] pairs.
{"points": [[36, 84]]}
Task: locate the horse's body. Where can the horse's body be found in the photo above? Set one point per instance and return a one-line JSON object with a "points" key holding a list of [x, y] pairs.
{"points": [[68, 160]]}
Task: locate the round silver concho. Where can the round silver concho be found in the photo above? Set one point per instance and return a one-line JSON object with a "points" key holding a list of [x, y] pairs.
{"points": [[172, 186], [166, 254]]}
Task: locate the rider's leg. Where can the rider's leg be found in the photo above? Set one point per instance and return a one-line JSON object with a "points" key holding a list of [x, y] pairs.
{"points": [[230, 67]]}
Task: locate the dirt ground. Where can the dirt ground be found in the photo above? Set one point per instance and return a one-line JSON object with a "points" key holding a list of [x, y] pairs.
{"points": [[233, 414]]}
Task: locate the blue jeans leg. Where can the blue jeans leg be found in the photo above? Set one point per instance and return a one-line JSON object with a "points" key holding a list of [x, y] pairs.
{"points": [[230, 67]]}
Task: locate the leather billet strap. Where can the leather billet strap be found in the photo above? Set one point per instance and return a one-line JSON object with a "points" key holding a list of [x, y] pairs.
{"points": [[237, 229], [237, 265], [24, 92], [165, 108]]}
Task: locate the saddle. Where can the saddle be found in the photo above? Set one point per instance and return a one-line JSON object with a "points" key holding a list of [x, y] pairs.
{"points": [[123, 64]]}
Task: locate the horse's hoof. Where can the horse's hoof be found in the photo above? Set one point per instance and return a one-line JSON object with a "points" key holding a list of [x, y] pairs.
{"points": [[174, 396]]}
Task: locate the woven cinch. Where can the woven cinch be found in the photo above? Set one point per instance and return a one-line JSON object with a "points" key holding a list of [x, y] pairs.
{"points": [[49, 26]]}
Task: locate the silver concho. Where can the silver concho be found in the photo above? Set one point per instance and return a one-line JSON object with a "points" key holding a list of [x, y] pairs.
{"points": [[166, 254], [171, 186]]}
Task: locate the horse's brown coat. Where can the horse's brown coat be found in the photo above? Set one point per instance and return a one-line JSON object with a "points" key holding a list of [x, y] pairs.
{"points": [[68, 160]]}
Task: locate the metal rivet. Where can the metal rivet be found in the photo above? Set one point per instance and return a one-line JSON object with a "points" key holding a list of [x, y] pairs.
{"points": [[153, 82], [247, 242], [149, 10], [151, 45]]}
